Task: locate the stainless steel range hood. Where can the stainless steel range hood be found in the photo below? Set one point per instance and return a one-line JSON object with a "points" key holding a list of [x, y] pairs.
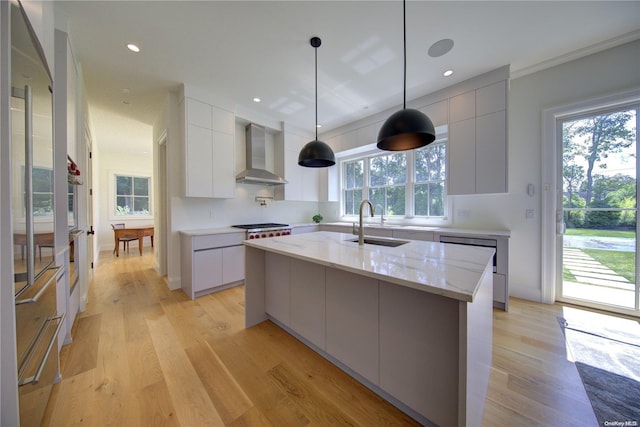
{"points": [[255, 172]]}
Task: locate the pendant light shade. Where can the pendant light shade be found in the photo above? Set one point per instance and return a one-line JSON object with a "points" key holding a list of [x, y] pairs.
{"points": [[316, 154], [408, 128], [405, 130]]}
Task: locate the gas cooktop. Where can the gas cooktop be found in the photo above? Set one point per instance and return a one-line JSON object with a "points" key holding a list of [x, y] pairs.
{"points": [[259, 226]]}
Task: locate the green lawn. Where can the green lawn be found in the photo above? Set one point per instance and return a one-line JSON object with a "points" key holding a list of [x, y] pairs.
{"points": [[629, 234]]}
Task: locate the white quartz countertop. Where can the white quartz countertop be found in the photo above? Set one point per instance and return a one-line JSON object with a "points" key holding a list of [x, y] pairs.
{"points": [[441, 230], [450, 270], [208, 231]]}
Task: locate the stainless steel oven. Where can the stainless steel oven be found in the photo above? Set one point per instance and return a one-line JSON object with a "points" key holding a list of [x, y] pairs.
{"points": [[264, 230]]}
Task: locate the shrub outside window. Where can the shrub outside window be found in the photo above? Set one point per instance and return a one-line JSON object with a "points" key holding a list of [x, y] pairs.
{"points": [[132, 195]]}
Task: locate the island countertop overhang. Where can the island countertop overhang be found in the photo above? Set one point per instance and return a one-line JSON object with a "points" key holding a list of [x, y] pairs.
{"points": [[448, 270]]}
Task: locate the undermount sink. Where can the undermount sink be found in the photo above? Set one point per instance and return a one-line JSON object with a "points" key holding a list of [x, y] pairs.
{"points": [[381, 242]]}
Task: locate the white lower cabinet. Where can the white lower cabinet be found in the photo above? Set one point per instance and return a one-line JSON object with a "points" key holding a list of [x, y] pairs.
{"points": [[307, 297], [207, 269], [232, 264], [277, 287], [352, 321], [210, 262], [420, 373]]}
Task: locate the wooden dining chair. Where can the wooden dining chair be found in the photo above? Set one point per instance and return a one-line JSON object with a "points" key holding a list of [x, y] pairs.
{"points": [[125, 240]]}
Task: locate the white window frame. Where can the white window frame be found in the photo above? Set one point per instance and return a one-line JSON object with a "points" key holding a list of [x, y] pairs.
{"points": [[368, 151], [113, 196]]}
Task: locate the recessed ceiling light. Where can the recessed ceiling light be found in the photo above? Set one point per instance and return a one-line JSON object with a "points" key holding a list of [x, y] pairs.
{"points": [[133, 48], [257, 99], [447, 73], [440, 48], [318, 125]]}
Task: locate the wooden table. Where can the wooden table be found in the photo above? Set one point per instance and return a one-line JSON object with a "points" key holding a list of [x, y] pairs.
{"points": [[39, 240], [139, 232]]}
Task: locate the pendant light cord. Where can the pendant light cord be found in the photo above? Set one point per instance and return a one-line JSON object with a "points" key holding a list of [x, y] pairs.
{"points": [[404, 29], [316, 52]]}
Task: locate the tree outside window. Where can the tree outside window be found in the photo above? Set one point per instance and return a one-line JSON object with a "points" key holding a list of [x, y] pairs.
{"points": [[429, 189], [132, 195], [352, 186], [387, 180]]}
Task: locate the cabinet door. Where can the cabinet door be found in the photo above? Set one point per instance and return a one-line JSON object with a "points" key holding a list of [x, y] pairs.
{"points": [[308, 301], [462, 107], [462, 157], [491, 153], [310, 184], [207, 269], [222, 120], [232, 264], [199, 153], [198, 113], [276, 287], [352, 321], [293, 174], [222, 165]]}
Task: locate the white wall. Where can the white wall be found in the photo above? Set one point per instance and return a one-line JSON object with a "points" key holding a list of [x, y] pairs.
{"points": [[106, 163]]}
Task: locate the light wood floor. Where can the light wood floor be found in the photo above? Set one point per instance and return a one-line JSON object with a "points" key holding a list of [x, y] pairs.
{"points": [[142, 355]]}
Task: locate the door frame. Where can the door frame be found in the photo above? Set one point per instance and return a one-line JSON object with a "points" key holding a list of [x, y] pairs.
{"points": [[552, 216]]}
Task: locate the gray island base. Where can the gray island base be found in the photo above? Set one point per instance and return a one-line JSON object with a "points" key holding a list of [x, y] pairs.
{"points": [[413, 323]]}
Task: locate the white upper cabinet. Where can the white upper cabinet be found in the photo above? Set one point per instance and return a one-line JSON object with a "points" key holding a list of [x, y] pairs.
{"points": [[478, 141], [209, 144]]}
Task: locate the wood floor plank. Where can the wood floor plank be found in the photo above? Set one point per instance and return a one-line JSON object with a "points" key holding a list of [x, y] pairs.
{"points": [[190, 398], [156, 407], [318, 409], [225, 393], [83, 355], [263, 392]]}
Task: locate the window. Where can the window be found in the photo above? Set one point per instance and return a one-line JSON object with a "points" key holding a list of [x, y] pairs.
{"points": [[387, 182], [353, 184], [405, 184], [42, 185], [429, 189], [132, 195]]}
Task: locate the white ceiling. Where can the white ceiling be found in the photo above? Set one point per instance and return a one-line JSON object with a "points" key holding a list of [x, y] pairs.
{"points": [[239, 50]]}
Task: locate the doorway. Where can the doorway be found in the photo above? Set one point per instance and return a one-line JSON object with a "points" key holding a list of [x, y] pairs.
{"points": [[597, 169]]}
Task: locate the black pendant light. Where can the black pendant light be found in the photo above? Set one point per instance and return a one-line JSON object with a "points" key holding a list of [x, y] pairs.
{"points": [[316, 154], [408, 128]]}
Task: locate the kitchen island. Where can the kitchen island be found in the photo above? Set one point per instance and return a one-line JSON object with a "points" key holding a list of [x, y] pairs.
{"points": [[413, 322]]}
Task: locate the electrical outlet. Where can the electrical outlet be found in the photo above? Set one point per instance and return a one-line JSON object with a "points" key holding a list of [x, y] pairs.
{"points": [[529, 214], [212, 214], [463, 213]]}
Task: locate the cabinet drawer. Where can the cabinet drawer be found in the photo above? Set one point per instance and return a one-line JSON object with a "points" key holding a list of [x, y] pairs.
{"points": [[217, 240]]}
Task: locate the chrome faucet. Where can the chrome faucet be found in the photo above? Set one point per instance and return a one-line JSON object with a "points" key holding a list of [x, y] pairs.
{"points": [[382, 218], [361, 230]]}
